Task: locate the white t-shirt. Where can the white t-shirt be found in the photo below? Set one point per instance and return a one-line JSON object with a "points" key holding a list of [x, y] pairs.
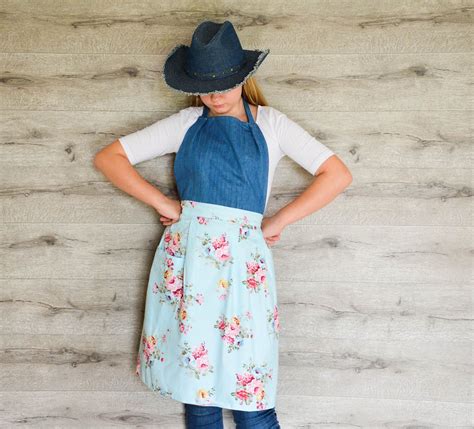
{"points": [[283, 137]]}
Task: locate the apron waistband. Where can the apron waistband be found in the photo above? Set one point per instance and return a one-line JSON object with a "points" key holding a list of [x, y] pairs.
{"points": [[192, 209]]}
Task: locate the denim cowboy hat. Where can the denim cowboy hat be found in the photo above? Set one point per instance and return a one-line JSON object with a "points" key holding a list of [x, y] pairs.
{"points": [[215, 62]]}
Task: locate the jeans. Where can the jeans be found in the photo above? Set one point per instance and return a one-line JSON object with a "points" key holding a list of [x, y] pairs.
{"points": [[210, 417]]}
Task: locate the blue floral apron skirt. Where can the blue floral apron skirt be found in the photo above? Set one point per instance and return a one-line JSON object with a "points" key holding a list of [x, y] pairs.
{"points": [[211, 325]]}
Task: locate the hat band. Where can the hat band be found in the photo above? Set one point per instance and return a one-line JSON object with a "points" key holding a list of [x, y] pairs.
{"points": [[216, 75]]}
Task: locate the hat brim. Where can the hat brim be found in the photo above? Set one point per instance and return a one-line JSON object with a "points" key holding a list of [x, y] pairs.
{"points": [[177, 79]]}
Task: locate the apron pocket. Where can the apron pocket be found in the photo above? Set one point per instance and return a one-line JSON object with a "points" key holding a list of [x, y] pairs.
{"points": [[175, 239], [171, 260]]}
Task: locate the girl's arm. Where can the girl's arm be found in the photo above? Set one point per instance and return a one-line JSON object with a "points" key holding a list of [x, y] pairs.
{"points": [[330, 180], [114, 164]]}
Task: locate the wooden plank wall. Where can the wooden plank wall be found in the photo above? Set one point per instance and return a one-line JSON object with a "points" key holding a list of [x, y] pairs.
{"points": [[374, 289]]}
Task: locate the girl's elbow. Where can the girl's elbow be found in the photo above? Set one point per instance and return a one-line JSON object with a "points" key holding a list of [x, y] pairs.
{"points": [[345, 179], [348, 177], [98, 160]]}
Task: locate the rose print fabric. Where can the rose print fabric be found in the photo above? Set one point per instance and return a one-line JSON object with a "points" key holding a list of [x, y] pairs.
{"points": [[211, 326]]}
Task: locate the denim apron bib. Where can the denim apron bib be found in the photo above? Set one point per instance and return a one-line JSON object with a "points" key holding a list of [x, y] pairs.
{"points": [[223, 160], [211, 327]]}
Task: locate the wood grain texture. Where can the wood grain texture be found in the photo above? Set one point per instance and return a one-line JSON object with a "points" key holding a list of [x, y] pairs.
{"points": [[111, 409], [336, 366], [355, 311], [332, 82], [375, 289], [300, 27]]}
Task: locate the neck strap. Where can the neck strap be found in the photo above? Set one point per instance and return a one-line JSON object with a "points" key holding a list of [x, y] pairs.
{"points": [[247, 110]]}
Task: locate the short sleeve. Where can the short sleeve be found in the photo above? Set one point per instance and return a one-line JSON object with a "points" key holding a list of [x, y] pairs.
{"points": [[162, 137], [300, 145]]}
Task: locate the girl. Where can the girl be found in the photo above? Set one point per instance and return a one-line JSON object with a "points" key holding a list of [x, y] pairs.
{"points": [[211, 326]]}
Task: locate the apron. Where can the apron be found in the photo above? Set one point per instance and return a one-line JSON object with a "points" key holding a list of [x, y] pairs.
{"points": [[211, 328]]}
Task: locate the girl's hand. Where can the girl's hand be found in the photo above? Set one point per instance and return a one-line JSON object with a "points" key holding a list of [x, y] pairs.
{"points": [[170, 211], [271, 230]]}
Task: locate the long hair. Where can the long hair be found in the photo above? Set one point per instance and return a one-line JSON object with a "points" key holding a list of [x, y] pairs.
{"points": [[250, 90]]}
